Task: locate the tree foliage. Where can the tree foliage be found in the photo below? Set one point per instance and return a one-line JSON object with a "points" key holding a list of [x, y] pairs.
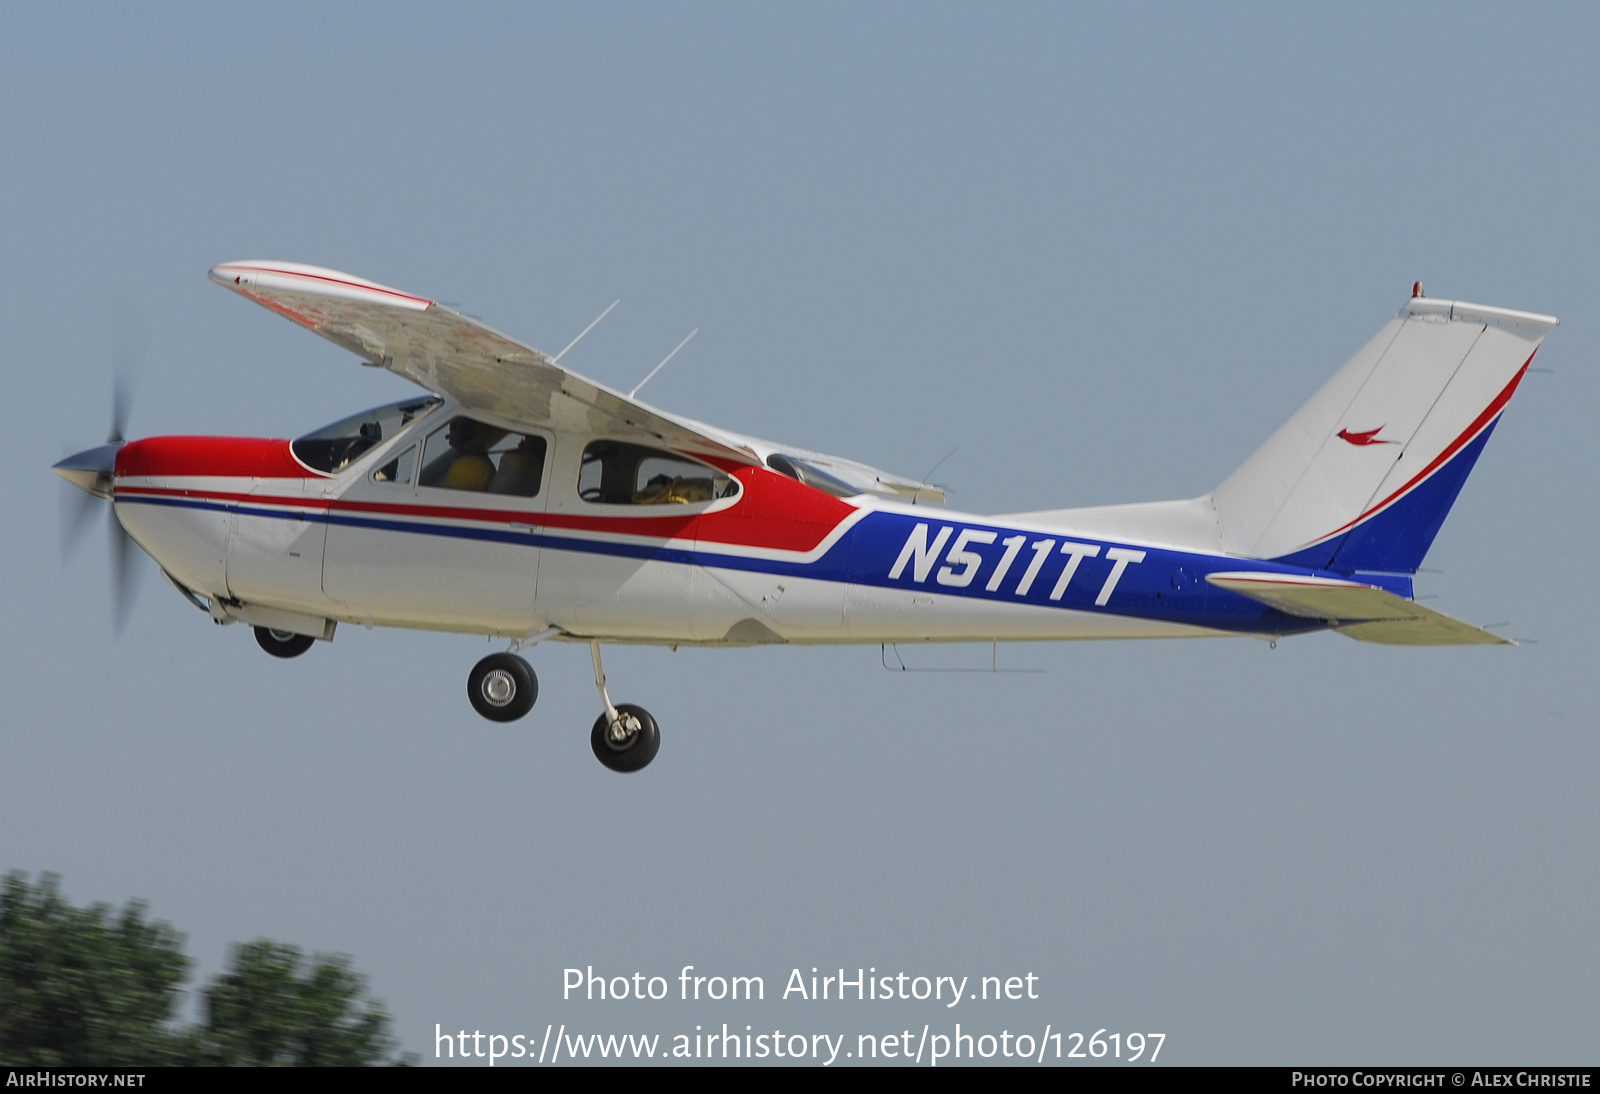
{"points": [[92, 986], [84, 985], [263, 1011]]}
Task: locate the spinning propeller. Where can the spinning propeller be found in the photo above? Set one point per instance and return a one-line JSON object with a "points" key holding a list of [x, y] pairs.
{"points": [[92, 472]]}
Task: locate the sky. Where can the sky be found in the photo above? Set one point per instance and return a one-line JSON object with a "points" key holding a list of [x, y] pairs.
{"points": [[1098, 252]]}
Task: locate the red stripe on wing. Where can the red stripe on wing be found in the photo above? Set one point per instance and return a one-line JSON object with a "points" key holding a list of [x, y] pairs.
{"points": [[366, 286]]}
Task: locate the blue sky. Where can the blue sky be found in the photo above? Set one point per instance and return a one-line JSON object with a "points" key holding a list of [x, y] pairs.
{"points": [[1100, 252]]}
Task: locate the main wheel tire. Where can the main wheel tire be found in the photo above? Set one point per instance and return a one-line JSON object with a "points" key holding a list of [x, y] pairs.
{"points": [[637, 751], [502, 687], [283, 643]]}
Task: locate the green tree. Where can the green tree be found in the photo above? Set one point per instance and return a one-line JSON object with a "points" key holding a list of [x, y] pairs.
{"points": [[84, 985], [91, 986], [273, 1007]]}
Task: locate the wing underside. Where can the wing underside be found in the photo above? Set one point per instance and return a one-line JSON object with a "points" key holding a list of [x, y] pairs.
{"points": [[494, 375], [1364, 612], [453, 355]]}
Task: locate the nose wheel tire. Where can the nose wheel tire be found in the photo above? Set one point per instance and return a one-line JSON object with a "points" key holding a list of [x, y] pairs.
{"points": [[283, 643], [502, 687], [637, 745]]}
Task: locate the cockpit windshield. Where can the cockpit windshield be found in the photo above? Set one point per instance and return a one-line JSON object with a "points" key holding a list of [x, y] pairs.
{"points": [[335, 447]]}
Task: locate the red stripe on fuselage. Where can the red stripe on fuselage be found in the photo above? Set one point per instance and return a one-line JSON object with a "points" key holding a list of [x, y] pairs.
{"points": [[223, 457], [773, 511]]}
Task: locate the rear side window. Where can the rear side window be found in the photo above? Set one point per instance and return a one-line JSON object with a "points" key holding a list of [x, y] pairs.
{"points": [[618, 473], [811, 475]]}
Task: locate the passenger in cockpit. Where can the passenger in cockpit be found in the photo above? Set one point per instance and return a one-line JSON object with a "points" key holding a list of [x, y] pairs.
{"points": [[521, 469]]}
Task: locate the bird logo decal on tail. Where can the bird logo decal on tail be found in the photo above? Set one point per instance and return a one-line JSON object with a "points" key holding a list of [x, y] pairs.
{"points": [[1361, 440]]}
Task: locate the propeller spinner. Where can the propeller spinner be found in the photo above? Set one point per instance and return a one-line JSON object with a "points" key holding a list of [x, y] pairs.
{"points": [[93, 471]]}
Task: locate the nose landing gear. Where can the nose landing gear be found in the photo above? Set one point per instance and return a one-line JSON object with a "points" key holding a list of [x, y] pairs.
{"points": [[627, 743], [502, 687], [625, 737]]}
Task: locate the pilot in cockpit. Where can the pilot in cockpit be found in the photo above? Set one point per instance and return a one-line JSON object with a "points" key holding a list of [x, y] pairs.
{"points": [[471, 469]]}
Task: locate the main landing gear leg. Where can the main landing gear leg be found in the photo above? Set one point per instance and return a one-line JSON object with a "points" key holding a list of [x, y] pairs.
{"points": [[625, 737]]}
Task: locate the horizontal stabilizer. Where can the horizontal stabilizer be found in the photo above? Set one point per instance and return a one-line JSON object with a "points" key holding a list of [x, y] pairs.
{"points": [[1364, 612]]}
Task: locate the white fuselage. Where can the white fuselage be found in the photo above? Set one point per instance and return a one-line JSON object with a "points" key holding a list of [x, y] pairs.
{"points": [[779, 562]]}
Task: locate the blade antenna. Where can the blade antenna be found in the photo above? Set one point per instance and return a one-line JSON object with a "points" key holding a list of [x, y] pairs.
{"points": [[556, 360], [931, 470], [659, 367]]}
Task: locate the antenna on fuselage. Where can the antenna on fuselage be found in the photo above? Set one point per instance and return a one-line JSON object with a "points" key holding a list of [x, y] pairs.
{"points": [[556, 360], [931, 470], [659, 367]]}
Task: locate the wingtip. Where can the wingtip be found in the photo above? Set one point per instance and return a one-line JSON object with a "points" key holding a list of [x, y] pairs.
{"points": [[237, 275], [305, 280]]}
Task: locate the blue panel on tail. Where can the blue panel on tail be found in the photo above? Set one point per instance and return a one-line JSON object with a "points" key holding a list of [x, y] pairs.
{"points": [[1398, 584], [1395, 540]]}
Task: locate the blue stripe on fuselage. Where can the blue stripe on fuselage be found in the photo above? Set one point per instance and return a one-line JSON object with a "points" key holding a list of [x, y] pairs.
{"points": [[1165, 585]]}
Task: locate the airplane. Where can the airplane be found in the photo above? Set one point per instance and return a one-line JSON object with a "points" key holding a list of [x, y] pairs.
{"points": [[514, 498]]}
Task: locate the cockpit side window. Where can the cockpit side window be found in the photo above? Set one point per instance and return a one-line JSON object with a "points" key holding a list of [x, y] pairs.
{"points": [[471, 455], [335, 447], [619, 473], [400, 469]]}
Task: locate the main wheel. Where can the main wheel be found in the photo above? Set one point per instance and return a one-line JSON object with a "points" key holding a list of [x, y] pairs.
{"points": [[283, 643], [502, 687], [636, 750]]}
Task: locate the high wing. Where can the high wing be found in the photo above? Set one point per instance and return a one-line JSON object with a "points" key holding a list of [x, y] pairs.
{"points": [[1364, 612], [485, 371], [455, 356]]}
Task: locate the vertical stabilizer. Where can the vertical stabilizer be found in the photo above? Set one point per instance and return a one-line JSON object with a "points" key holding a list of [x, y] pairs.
{"points": [[1363, 475]]}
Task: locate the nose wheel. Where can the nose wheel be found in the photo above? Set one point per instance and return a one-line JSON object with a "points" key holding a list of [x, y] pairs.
{"points": [[625, 737], [502, 687], [628, 743]]}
